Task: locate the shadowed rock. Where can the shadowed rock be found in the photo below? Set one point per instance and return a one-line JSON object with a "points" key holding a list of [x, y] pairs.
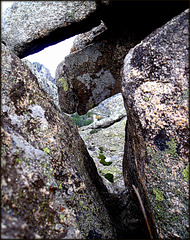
{"points": [[48, 178], [155, 91], [84, 39]]}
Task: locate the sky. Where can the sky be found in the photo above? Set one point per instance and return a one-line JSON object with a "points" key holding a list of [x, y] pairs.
{"points": [[50, 57]]}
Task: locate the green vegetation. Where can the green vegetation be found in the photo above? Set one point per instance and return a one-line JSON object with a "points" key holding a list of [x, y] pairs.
{"points": [[46, 150], [146, 99], [186, 173], [109, 177], [101, 149], [103, 161], [172, 147], [82, 120], [64, 83], [103, 158], [159, 194]]}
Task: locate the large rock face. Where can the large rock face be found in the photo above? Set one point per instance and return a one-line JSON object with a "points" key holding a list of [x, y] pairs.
{"points": [[29, 26], [50, 186], [155, 90], [88, 76]]}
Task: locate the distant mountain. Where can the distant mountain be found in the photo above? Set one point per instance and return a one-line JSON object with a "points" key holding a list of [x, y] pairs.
{"points": [[44, 78], [44, 71]]}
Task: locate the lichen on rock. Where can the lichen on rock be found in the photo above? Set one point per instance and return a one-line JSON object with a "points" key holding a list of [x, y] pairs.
{"points": [[45, 178], [154, 81]]}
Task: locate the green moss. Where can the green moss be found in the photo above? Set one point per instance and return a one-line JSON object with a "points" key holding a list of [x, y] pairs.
{"points": [[150, 151], [64, 84], [94, 131], [159, 194], [101, 149], [91, 105], [103, 158], [109, 177], [19, 160], [186, 173], [46, 150], [146, 99], [172, 147], [103, 161]]}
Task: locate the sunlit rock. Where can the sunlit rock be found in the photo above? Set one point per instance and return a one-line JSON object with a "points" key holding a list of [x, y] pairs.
{"points": [[30, 26]]}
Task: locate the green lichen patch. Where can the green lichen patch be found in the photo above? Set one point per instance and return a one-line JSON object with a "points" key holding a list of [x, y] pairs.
{"points": [[172, 148], [150, 151], [167, 187], [91, 105], [19, 160], [159, 194], [64, 84], [186, 173], [146, 99], [46, 150], [185, 94]]}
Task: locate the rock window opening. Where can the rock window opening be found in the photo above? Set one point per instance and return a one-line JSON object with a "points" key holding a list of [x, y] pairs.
{"points": [[51, 56], [43, 65], [102, 128]]}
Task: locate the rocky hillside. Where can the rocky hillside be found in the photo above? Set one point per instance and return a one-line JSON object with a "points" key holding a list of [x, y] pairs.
{"points": [[106, 147]]}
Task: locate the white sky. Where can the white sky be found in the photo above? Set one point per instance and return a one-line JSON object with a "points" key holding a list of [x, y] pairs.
{"points": [[50, 57]]}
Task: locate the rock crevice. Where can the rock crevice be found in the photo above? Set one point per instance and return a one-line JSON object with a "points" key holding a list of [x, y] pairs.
{"points": [[49, 178]]}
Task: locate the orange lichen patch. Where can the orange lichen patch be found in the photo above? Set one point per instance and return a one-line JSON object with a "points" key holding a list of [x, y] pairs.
{"points": [[158, 105]]}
